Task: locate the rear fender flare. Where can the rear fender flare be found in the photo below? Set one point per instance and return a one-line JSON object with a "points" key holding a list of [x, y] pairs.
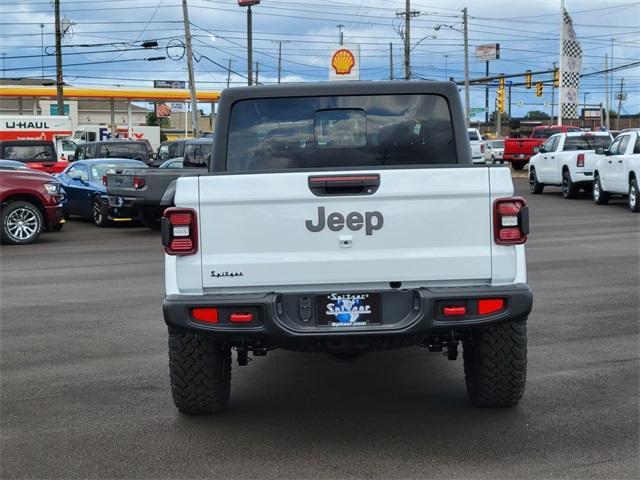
{"points": [[169, 195]]}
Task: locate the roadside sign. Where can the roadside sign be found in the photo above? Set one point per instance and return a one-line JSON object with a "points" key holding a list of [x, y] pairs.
{"points": [[169, 84], [478, 110], [344, 62], [53, 109], [490, 51]]}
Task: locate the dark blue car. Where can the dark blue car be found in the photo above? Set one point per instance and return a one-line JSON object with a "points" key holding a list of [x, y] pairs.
{"points": [[86, 193]]}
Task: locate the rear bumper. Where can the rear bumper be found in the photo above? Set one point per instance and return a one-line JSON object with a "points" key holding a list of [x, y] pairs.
{"points": [[406, 313], [517, 158]]}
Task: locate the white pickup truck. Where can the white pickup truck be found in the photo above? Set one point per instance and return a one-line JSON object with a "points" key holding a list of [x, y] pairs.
{"points": [[618, 171], [568, 160], [344, 218], [477, 145]]}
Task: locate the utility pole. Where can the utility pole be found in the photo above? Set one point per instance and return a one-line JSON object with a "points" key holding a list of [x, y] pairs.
{"points": [[446, 67], [509, 99], [279, 61], [553, 95], [192, 82], [4, 70], [407, 40], [467, 101], [280, 42], [390, 60], [257, 72], [229, 73], [486, 96], [606, 89], [619, 104], [42, 49], [59, 79], [249, 46]]}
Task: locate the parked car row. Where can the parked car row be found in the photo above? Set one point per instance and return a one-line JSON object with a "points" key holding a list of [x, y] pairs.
{"points": [[591, 161]]}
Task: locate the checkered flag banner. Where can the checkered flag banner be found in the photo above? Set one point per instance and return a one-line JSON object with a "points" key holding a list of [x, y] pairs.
{"points": [[571, 64]]}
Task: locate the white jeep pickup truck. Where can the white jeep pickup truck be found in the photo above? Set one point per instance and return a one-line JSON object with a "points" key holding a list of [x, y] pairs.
{"points": [[344, 218], [567, 159], [617, 172]]}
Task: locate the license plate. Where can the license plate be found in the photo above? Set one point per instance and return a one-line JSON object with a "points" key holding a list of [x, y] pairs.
{"points": [[116, 201], [344, 310]]}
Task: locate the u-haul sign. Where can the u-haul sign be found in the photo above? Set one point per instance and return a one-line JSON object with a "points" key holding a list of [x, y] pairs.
{"points": [[34, 127]]}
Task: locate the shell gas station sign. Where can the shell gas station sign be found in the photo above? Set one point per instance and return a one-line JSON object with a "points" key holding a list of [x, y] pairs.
{"points": [[344, 62]]}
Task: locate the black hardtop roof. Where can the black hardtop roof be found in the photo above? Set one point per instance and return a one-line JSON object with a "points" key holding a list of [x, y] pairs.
{"points": [[448, 90], [320, 89], [113, 142]]}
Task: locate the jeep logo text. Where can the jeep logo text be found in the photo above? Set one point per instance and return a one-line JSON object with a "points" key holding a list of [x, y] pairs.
{"points": [[354, 221]]}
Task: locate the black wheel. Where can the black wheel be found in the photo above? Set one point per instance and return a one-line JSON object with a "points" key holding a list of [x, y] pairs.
{"points": [[517, 166], [22, 223], [200, 370], [569, 189], [535, 186], [493, 159], [495, 364], [100, 213], [634, 196], [149, 220], [599, 196]]}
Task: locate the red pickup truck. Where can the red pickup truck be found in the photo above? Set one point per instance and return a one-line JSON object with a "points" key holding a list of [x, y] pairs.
{"points": [[518, 151], [30, 202], [36, 154]]}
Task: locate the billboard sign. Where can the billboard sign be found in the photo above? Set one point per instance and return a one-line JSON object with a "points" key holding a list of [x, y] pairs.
{"points": [[344, 62], [169, 84], [490, 51]]}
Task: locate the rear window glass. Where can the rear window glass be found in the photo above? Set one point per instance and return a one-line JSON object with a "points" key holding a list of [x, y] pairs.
{"points": [[135, 151], [30, 153], [498, 144], [98, 170], [197, 154], [340, 131], [473, 136], [586, 142]]}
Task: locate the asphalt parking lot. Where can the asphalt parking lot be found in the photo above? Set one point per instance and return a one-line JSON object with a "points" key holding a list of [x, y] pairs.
{"points": [[85, 390]]}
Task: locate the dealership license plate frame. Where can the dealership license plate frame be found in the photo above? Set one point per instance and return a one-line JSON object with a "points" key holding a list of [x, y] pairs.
{"points": [[344, 316]]}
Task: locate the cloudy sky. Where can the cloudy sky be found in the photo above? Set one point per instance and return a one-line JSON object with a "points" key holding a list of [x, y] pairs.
{"points": [[102, 43]]}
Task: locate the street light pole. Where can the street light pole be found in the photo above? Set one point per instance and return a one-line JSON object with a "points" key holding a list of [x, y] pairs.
{"points": [[249, 46], [192, 82], [467, 100], [584, 108]]}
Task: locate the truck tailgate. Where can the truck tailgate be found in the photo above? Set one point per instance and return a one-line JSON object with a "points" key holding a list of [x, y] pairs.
{"points": [[422, 225]]}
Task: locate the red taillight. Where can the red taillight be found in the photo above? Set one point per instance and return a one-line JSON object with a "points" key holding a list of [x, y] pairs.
{"points": [[454, 310], [511, 221], [138, 182], [180, 231], [481, 148], [490, 305], [104, 180], [241, 317], [580, 160], [207, 315]]}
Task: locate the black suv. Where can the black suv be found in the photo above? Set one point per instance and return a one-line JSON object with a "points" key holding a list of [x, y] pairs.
{"points": [[114, 149]]}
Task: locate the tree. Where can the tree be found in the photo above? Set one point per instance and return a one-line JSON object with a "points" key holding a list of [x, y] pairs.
{"points": [[537, 115], [504, 117], [152, 119]]}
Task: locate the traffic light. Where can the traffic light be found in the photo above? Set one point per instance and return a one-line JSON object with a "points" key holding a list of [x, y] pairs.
{"points": [[502, 83], [500, 100], [539, 89], [556, 77], [527, 79]]}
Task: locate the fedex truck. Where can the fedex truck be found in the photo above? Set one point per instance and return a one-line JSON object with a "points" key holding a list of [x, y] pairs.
{"points": [[94, 133], [38, 127]]}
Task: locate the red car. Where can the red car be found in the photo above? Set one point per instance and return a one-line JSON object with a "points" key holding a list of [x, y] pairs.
{"points": [[519, 151], [30, 203], [36, 154]]}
